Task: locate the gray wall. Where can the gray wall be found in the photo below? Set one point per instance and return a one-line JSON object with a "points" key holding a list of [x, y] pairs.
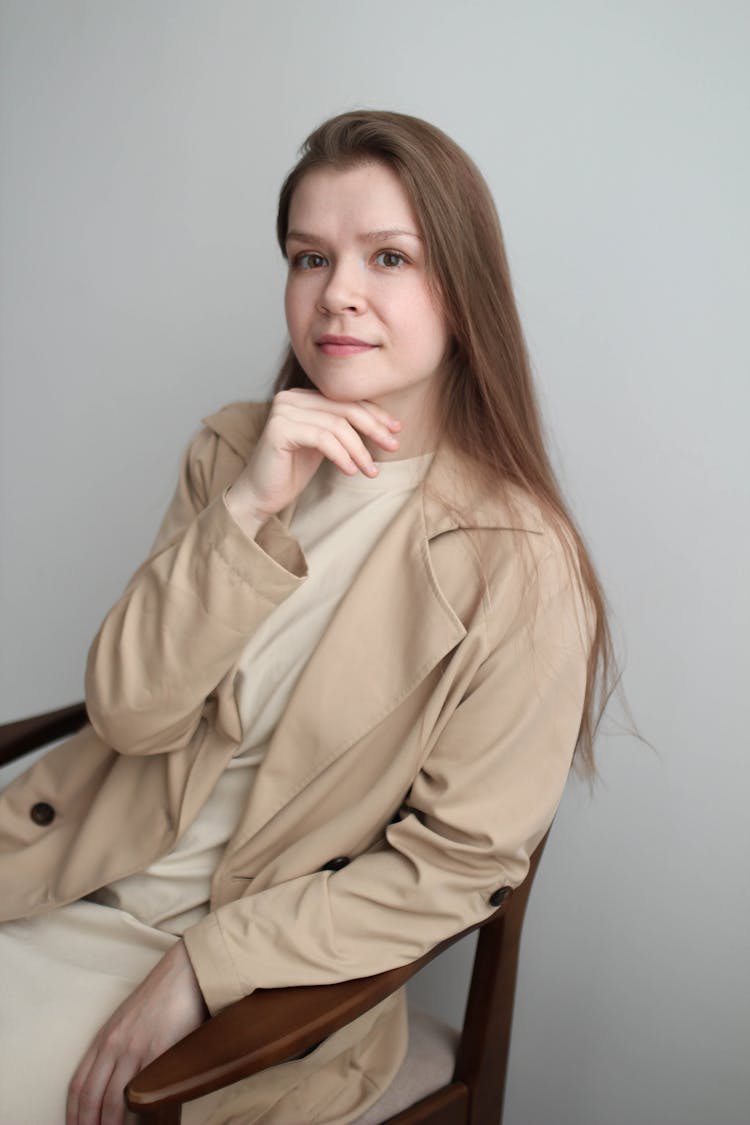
{"points": [[142, 147]]}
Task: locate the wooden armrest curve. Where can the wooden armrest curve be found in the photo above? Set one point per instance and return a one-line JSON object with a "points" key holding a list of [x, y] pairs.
{"points": [[24, 735], [267, 1027]]}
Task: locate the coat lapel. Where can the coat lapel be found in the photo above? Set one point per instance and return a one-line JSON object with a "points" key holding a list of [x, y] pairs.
{"points": [[391, 628]]}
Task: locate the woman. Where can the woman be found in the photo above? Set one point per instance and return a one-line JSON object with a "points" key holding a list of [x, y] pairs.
{"points": [[335, 709]]}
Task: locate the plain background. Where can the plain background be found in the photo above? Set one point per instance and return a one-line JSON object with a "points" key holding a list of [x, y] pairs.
{"points": [[142, 147]]}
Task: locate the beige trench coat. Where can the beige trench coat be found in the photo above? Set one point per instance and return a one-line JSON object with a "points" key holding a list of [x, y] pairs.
{"points": [[428, 740]]}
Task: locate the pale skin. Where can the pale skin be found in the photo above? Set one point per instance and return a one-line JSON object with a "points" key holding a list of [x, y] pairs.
{"points": [[376, 405]]}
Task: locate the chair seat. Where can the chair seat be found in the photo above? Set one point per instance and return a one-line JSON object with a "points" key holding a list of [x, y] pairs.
{"points": [[428, 1065]]}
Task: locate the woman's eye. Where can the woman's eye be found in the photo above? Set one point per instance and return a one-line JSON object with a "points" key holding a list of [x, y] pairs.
{"points": [[309, 261], [390, 258]]}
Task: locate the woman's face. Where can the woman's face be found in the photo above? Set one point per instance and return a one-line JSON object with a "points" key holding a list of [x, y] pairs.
{"points": [[362, 319]]}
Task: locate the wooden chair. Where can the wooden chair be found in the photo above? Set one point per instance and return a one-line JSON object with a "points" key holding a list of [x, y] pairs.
{"points": [[273, 1025]]}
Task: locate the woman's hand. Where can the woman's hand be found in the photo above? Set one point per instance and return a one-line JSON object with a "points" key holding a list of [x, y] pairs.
{"points": [[302, 428], [163, 1009]]}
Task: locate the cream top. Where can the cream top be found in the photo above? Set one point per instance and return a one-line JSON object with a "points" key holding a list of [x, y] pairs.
{"points": [[337, 521]]}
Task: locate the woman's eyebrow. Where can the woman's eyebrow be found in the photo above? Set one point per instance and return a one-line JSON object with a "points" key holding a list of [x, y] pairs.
{"points": [[369, 236], [376, 235], [300, 236]]}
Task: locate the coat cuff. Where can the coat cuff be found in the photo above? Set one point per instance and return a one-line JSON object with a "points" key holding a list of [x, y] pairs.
{"points": [[212, 965], [286, 561]]}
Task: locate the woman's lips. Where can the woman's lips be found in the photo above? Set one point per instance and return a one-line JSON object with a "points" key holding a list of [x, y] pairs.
{"points": [[343, 345]]}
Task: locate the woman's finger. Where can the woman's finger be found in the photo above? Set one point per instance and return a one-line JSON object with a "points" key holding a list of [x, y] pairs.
{"points": [[113, 1101], [367, 417], [335, 450], [363, 421], [363, 412], [76, 1085], [302, 437], [331, 434], [347, 421], [88, 1087], [380, 412]]}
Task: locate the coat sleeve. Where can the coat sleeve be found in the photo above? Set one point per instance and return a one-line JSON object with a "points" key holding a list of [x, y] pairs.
{"points": [[187, 612], [485, 796]]}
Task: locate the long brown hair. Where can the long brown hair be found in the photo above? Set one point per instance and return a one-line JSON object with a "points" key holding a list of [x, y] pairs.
{"points": [[488, 408]]}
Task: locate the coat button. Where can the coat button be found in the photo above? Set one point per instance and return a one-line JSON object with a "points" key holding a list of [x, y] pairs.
{"points": [[336, 864], [42, 813], [499, 896]]}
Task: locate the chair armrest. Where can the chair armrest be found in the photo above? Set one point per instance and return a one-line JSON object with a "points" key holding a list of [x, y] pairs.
{"points": [[24, 735], [268, 1027]]}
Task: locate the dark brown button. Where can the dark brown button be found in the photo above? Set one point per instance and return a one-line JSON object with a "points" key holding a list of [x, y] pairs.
{"points": [[42, 813], [499, 896], [336, 864]]}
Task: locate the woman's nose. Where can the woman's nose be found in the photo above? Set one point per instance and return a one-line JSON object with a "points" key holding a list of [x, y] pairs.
{"points": [[343, 289]]}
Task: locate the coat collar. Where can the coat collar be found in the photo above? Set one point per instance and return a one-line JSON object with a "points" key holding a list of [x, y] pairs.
{"points": [[395, 623]]}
